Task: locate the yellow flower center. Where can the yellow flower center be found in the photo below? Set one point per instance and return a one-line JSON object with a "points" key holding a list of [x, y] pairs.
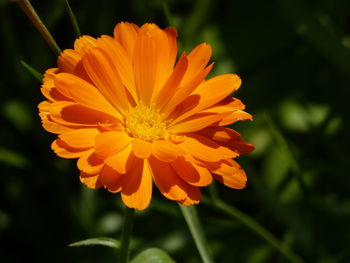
{"points": [[145, 123]]}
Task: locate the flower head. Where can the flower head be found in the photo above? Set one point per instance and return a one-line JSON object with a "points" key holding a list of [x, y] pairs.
{"points": [[132, 116]]}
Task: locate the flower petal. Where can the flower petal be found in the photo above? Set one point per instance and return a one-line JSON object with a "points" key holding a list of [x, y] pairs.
{"points": [[47, 121], [121, 62], [172, 85], [198, 59], [91, 181], [84, 43], [153, 63], [104, 75], [175, 105], [137, 191], [111, 142], [192, 173], [205, 149], [209, 93], [48, 88], [73, 114], [122, 161], [63, 150], [231, 174], [142, 149], [84, 93], [69, 58], [237, 115], [111, 179], [229, 138], [89, 163], [197, 122], [172, 186], [80, 138], [166, 151], [126, 33]]}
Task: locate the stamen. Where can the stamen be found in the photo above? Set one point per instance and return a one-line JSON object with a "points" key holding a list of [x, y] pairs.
{"points": [[145, 123]]}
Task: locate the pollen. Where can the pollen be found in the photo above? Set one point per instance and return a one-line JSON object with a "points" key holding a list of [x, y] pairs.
{"points": [[145, 123]]}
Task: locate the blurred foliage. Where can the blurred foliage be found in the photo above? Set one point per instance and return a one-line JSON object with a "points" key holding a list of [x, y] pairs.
{"points": [[294, 59]]}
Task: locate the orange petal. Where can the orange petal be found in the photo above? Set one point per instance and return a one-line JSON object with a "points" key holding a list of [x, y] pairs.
{"points": [[172, 85], [122, 161], [111, 179], [176, 106], [137, 191], [65, 151], [197, 122], [172, 35], [84, 93], [222, 135], [91, 181], [231, 174], [54, 127], [166, 151], [242, 147], [111, 142], [47, 121], [48, 88], [191, 173], [205, 149], [126, 33], [209, 92], [71, 113], [142, 149], [198, 59], [104, 75], [237, 115], [229, 104], [228, 138], [80, 138], [167, 52], [145, 65], [84, 43], [89, 163], [121, 62], [172, 186], [68, 60], [153, 61]]}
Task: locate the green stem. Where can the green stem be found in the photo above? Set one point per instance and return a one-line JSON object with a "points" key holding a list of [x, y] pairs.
{"points": [[72, 19], [126, 235], [191, 216], [28, 9], [253, 225]]}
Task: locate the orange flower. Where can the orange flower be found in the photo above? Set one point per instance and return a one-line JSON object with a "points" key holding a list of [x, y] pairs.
{"points": [[132, 116]]}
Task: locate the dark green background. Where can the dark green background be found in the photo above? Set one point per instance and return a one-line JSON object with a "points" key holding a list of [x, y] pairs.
{"points": [[294, 59]]}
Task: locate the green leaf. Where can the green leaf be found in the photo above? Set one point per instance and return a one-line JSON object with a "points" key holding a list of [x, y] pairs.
{"points": [[152, 255], [98, 241], [32, 71]]}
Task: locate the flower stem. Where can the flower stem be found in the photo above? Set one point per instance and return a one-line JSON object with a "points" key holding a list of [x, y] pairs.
{"points": [[28, 9], [126, 235], [191, 216], [72, 19]]}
